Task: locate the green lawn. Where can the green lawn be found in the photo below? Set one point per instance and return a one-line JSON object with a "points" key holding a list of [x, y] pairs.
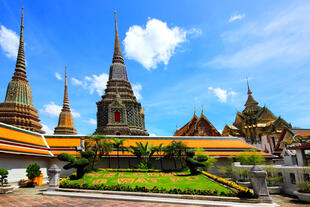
{"points": [[179, 180]]}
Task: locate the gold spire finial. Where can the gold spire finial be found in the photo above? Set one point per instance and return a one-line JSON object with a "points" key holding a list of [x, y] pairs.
{"points": [[20, 62], [194, 110], [201, 109], [66, 96], [117, 56], [249, 90]]}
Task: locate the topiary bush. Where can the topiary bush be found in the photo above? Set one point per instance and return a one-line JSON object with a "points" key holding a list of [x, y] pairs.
{"points": [[33, 171], [3, 175], [79, 164], [193, 164]]}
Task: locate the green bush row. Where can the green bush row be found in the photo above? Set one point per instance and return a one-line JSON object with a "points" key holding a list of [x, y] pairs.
{"points": [[68, 184]]}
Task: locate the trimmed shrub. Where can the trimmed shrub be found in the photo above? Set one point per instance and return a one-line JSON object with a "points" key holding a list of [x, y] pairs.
{"points": [[33, 171], [3, 175]]}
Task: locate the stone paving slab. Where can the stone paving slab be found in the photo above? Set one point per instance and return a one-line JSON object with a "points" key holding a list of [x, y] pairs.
{"points": [[154, 199], [33, 197]]}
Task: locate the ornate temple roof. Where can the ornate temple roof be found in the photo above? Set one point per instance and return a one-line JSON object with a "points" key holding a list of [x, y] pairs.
{"points": [[191, 127], [251, 106], [17, 109], [65, 121], [19, 141]]}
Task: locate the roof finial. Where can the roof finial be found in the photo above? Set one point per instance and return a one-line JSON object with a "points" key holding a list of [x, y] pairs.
{"points": [[194, 110], [20, 62], [249, 90], [66, 97], [117, 56], [201, 109]]}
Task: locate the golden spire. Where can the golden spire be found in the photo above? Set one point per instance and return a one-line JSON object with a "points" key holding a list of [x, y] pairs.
{"points": [[20, 68], [201, 109], [117, 56], [66, 106]]}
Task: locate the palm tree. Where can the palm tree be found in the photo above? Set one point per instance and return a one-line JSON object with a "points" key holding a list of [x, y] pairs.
{"points": [[106, 147], [159, 149], [144, 152], [176, 151], [96, 147], [119, 145]]}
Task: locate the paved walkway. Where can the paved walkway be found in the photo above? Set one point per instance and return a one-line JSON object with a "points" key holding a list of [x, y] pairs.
{"points": [[33, 197]]}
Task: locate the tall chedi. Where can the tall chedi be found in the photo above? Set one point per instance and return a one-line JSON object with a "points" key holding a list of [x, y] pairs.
{"points": [[119, 113], [17, 109], [65, 121]]}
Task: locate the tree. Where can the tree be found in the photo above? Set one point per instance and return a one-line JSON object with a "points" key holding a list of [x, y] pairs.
{"points": [[176, 151], [250, 158], [33, 171], [119, 145], [79, 164], [106, 147], [159, 150], [143, 152], [192, 163], [3, 175], [93, 144]]}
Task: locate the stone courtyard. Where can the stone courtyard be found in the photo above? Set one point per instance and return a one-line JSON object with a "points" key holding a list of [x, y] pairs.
{"points": [[33, 197]]}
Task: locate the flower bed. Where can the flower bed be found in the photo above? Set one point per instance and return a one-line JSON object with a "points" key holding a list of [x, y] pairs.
{"points": [[148, 181], [242, 191]]}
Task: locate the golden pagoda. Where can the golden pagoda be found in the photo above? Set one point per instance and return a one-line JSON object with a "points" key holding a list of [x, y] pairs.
{"points": [[17, 109], [65, 121]]}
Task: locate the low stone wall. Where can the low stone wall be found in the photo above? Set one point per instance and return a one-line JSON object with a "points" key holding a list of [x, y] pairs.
{"points": [[292, 175], [17, 164]]}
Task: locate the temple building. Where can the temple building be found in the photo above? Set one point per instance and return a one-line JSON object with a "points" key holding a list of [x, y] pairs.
{"points": [[65, 121], [17, 109], [119, 113], [258, 125], [198, 127]]}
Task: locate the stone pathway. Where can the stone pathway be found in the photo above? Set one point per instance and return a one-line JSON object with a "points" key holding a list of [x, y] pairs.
{"points": [[33, 197]]}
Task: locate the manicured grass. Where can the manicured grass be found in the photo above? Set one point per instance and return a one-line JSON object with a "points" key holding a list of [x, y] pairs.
{"points": [[179, 180]]}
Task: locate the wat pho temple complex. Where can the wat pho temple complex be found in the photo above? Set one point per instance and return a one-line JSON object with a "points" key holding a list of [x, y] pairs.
{"points": [[119, 114]]}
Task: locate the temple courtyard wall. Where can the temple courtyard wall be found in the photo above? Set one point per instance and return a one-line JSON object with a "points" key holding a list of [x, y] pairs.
{"points": [[292, 175]]}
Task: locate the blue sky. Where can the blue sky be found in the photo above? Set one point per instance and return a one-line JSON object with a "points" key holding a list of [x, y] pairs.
{"points": [[179, 55]]}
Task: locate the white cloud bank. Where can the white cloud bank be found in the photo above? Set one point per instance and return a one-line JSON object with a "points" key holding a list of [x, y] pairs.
{"points": [[54, 110], [92, 121], [155, 43], [221, 94], [236, 17], [47, 129], [280, 37], [98, 83], [58, 76], [9, 42]]}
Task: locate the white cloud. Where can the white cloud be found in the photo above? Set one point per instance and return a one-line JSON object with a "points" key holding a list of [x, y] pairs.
{"points": [[154, 44], [136, 90], [9, 42], [58, 76], [280, 37], [47, 129], [76, 82], [236, 17], [51, 109], [153, 135], [75, 114], [92, 121], [221, 94], [54, 110], [93, 83]]}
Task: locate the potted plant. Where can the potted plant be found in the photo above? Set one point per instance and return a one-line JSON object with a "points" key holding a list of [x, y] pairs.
{"points": [[243, 178], [4, 187], [303, 193], [33, 171], [273, 180]]}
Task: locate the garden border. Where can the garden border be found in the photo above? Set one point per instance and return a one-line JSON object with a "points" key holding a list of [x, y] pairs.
{"points": [[163, 195]]}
